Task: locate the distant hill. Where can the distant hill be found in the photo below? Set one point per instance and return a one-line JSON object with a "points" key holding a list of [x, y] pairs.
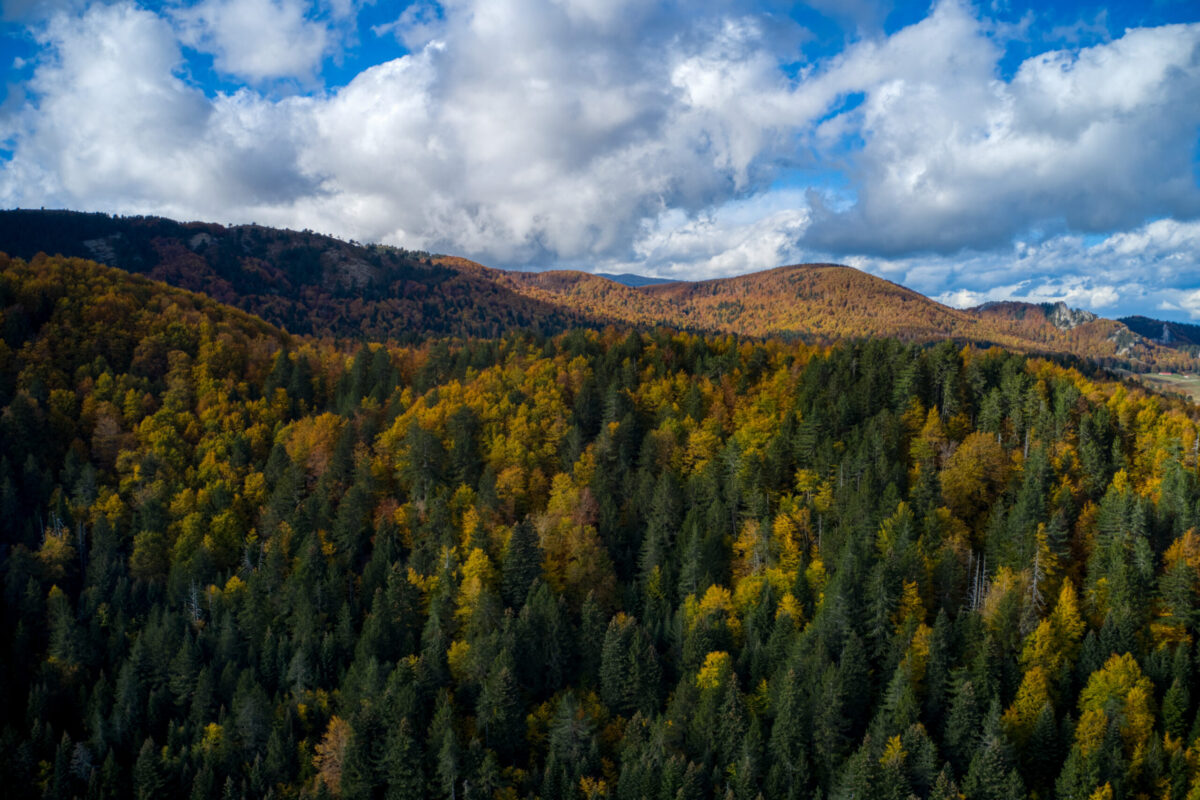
{"points": [[312, 284], [1170, 334], [629, 279], [829, 302]]}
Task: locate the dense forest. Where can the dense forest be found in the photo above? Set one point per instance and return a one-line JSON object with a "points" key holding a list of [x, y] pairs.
{"points": [[239, 563]]}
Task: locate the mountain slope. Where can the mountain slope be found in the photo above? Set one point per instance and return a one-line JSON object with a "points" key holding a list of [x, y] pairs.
{"points": [[821, 301], [1170, 334], [829, 302], [631, 279], [1055, 328], [303, 281], [314, 284]]}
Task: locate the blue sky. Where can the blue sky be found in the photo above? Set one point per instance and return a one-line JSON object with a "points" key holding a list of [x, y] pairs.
{"points": [[972, 151]]}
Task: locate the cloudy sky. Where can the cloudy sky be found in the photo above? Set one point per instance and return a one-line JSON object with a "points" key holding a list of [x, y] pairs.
{"points": [[972, 151]]}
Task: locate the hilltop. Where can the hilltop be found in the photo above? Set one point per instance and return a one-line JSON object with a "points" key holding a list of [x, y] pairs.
{"points": [[300, 280], [313, 284], [1171, 334]]}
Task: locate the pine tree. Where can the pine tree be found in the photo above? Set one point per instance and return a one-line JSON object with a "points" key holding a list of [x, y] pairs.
{"points": [[962, 726], [859, 777], [593, 627], [992, 775], [1175, 707], [522, 564], [629, 671], [1042, 755], [498, 711], [944, 788], [732, 724], [830, 724], [404, 764], [148, 779], [443, 740], [788, 774], [662, 523], [363, 767]]}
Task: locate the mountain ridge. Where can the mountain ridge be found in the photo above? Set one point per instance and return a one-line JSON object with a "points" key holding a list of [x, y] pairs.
{"points": [[318, 285], [1166, 332], [633, 279]]}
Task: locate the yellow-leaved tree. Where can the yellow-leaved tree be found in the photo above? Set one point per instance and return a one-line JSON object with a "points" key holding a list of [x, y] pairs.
{"points": [[1118, 690], [331, 752], [974, 475], [1054, 644]]}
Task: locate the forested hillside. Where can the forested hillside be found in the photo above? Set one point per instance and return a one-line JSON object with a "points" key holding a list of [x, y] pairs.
{"points": [[601, 564], [1173, 334], [822, 303], [312, 284], [299, 280]]}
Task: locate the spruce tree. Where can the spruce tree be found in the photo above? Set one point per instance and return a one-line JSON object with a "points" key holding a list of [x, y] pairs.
{"points": [[404, 764], [788, 773], [148, 779], [521, 566]]}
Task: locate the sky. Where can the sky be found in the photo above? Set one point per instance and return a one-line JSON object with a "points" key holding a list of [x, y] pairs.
{"points": [[1006, 149]]}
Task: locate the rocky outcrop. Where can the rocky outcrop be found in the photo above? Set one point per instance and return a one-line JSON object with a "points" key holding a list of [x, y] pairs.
{"points": [[1064, 318]]}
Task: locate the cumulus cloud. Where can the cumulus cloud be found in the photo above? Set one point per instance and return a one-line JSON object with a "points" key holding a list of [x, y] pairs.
{"points": [[256, 40], [1153, 266], [524, 132], [1074, 291], [1190, 302], [633, 136], [535, 131], [116, 128], [739, 237], [418, 25], [953, 157]]}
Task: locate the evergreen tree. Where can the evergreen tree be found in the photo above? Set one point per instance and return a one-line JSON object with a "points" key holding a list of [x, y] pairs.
{"points": [[498, 711], [522, 564], [148, 779], [992, 774], [404, 764], [788, 775]]}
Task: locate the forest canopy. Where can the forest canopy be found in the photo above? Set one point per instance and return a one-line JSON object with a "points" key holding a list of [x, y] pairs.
{"points": [[604, 563]]}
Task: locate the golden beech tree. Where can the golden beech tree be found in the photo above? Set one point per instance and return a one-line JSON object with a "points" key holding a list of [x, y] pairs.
{"points": [[575, 560], [974, 474], [1054, 644], [1118, 690]]}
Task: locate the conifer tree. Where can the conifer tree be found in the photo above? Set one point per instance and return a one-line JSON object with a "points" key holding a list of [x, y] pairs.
{"points": [[522, 564]]}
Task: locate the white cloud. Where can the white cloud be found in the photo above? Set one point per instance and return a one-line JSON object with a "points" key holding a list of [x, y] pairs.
{"points": [[1190, 301], [257, 40], [953, 157], [629, 136], [1074, 291], [543, 131], [116, 129], [417, 26], [1153, 266], [739, 237], [962, 298]]}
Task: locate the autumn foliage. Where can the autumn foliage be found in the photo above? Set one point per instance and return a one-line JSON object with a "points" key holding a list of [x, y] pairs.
{"points": [[240, 562]]}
